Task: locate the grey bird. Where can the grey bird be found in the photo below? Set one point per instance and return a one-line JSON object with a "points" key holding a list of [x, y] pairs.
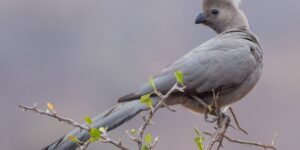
{"points": [[231, 63]]}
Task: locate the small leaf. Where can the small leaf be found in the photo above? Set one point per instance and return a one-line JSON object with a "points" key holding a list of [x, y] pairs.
{"points": [[145, 99], [199, 139], [50, 106], [197, 131], [88, 120], [179, 77], [95, 135], [103, 130], [151, 82], [134, 131], [73, 139], [148, 139], [145, 147]]}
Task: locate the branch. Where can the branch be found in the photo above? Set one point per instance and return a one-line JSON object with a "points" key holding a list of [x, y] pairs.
{"points": [[219, 135], [82, 145], [223, 122], [151, 112], [258, 144], [54, 115], [236, 121], [251, 143]]}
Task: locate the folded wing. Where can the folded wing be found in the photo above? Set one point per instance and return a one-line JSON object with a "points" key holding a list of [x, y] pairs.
{"points": [[219, 62]]}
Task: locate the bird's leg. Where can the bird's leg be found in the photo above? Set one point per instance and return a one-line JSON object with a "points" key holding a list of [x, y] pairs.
{"points": [[213, 108], [208, 109], [206, 118], [223, 123]]}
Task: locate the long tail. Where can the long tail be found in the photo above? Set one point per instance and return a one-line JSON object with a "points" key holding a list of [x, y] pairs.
{"points": [[111, 119]]}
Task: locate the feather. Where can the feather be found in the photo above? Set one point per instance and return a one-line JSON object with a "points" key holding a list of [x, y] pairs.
{"points": [[237, 2]]}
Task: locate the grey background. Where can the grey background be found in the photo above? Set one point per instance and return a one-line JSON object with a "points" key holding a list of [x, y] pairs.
{"points": [[83, 55]]}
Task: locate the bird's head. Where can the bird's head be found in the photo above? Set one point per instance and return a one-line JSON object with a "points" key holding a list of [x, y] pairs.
{"points": [[222, 15]]}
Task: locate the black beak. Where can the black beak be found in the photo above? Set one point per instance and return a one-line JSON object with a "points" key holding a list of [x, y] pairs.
{"points": [[201, 18]]}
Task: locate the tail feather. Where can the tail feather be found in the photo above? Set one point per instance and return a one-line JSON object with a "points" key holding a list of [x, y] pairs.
{"points": [[111, 119]]}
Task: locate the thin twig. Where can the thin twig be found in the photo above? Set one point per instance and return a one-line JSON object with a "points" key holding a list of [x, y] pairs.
{"points": [[55, 116], [236, 121], [115, 143], [258, 144], [219, 134], [251, 143], [200, 101], [147, 120]]}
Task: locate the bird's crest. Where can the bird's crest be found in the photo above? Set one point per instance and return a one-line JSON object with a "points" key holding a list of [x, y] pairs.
{"points": [[234, 2]]}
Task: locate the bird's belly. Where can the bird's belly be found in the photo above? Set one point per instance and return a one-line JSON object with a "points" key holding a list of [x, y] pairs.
{"points": [[242, 90]]}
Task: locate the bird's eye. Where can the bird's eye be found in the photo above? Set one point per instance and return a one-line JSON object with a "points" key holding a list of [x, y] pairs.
{"points": [[215, 11]]}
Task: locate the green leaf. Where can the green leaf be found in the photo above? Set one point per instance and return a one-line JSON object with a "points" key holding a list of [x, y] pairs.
{"points": [[199, 139], [95, 135], [134, 131], [148, 139], [145, 147], [88, 120], [151, 82], [145, 99], [179, 77]]}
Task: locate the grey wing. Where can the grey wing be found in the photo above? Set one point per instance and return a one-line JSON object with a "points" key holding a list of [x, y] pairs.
{"points": [[204, 69]]}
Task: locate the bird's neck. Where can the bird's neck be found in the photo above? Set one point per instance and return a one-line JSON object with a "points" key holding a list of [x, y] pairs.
{"points": [[238, 22]]}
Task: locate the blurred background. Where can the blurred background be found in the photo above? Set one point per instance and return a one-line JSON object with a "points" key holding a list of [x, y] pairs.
{"points": [[83, 55]]}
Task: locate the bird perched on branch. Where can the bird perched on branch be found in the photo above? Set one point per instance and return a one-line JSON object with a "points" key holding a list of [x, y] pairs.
{"points": [[230, 63]]}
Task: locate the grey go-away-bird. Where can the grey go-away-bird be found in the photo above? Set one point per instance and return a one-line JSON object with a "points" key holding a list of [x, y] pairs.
{"points": [[231, 63]]}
